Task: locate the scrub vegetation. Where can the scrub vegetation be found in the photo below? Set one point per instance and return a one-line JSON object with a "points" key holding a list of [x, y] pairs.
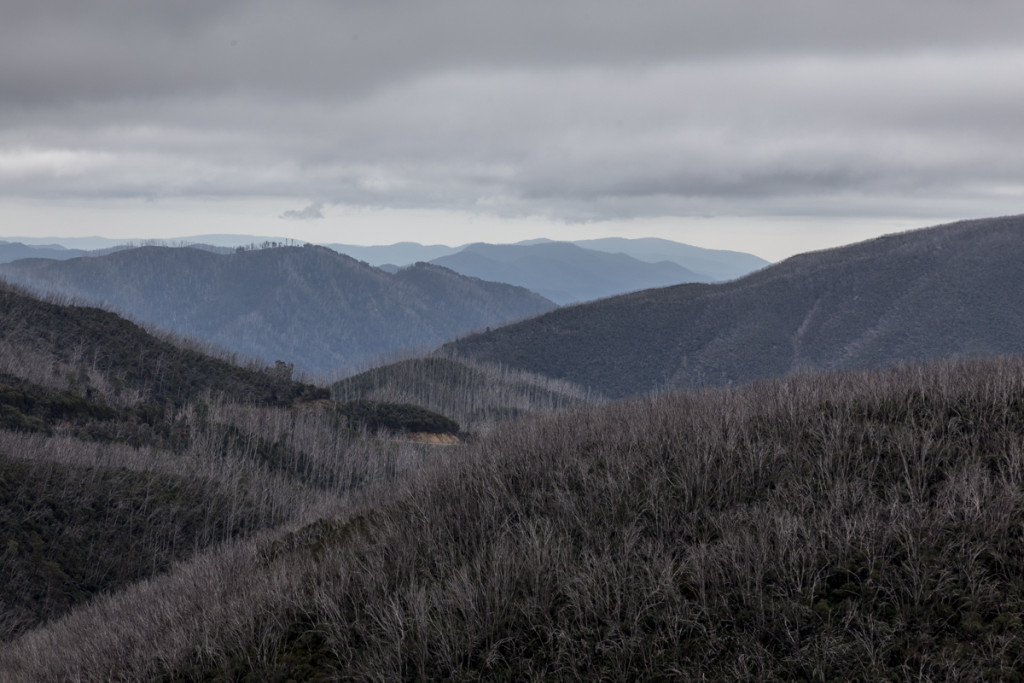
{"points": [[478, 395], [171, 515], [122, 454], [822, 526]]}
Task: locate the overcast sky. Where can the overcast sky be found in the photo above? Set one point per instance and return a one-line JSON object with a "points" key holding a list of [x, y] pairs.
{"points": [[770, 127]]}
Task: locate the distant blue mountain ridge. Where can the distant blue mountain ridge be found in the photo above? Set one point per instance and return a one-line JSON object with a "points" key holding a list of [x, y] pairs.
{"points": [[564, 272]]}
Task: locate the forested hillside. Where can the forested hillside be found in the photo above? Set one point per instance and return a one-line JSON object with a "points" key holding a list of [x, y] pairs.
{"points": [[952, 290], [308, 306], [102, 355], [827, 526], [478, 395], [122, 453]]}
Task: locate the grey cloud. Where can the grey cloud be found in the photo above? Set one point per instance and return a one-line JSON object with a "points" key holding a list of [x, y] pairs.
{"points": [[311, 212], [57, 51], [579, 110]]}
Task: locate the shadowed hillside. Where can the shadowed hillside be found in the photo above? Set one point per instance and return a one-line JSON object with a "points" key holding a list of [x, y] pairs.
{"points": [[122, 453], [952, 290], [102, 355], [310, 306]]}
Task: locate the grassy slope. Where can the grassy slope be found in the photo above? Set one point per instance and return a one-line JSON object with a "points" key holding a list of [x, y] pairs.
{"points": [[836, 526], [930, 293]]}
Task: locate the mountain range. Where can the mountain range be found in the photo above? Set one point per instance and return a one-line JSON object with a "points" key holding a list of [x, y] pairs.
{"points": [[311, 306], [13, 251], [563, 272], [710, 264], [714, 264], [719, 264], [953, 290], [170, 516]]}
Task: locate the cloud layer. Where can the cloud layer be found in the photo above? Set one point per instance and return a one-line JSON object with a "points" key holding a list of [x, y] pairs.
{"points": [[577, 110]]}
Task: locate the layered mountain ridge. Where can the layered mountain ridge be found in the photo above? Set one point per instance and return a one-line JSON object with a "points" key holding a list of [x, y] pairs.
{"points": [[953, 290], [310, 306]]}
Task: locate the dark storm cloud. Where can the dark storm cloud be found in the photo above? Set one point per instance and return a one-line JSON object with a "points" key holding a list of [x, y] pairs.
{"points": [[578, 109]]}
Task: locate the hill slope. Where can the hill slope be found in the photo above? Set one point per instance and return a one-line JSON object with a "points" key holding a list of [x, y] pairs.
{"points": [[943, 291], [826, 527], [122, 453], [307, 305], [477, 395], [564, 272], [99, 353]]}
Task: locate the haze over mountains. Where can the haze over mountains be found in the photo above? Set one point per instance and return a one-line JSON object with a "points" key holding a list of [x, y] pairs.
{"points": [[13, 251], [715, 264], [398, 254], [16, 251], [570, 272], [325, 318], [953, 290], [310, 306], [564, 272], [924, 294]]}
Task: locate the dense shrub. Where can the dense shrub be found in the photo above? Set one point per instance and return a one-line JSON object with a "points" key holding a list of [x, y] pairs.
{"points": [[821, 527], [70, 533]]}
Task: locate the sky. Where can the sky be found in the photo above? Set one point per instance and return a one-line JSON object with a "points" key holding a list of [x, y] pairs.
{"points": [[769, 127]]}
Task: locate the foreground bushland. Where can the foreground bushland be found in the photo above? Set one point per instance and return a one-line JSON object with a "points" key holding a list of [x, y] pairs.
{"points": [[123, 453], [829, 526]]}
